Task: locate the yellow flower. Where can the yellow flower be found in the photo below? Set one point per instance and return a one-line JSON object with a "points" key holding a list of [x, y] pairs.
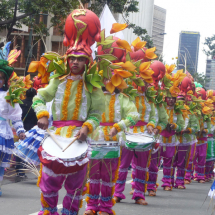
{"points": [[173, 58], [176, 58], [101, 73]]}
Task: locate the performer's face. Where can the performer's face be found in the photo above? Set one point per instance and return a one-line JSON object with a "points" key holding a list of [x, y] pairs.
{"points": [[76, 64], [170, 101], [2, 79]]}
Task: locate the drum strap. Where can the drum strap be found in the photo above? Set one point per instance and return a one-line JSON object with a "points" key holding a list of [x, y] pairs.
{"points": [[135, 154]]}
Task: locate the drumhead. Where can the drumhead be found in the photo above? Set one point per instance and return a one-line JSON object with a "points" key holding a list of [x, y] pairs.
{"points": [[74, 151], [140, 139]]}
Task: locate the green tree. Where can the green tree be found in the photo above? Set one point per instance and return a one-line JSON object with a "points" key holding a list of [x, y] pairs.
{"points": [[201, 78], [210, 43], [58, 8]]}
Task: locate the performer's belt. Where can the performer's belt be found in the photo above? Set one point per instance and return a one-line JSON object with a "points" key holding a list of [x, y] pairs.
{"points": [[167, 134], [202, 138], [76, 123], [107, 123], [210, 135], [139, 123], [2, 119]]}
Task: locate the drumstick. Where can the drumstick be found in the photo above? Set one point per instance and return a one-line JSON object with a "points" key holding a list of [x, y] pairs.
{"points": [[71, 143], [53, 138]]}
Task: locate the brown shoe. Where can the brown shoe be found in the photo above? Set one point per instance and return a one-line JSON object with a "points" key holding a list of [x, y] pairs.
{"points": [[152, 193], [117, 199], [90, 212], [187, 181], [141, 202], [167, 188], [131, 192]]}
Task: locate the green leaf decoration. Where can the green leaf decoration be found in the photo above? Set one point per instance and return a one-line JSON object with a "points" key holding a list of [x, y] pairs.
{"points": [[51, 67], [89, 87], [103, 65], [139, 82], [137, 64], [128, 57], [51, 55], [112, 66], [93, 69], [109, 57], [89, 78]]}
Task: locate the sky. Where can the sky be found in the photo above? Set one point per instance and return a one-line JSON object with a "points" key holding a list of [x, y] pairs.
{"points": [[187, 15]]}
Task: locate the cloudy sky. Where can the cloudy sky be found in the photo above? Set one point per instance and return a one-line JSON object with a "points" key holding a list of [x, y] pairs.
{"points": [[187, 15]]}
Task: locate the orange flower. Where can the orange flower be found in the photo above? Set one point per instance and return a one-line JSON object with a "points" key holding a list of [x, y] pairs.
{"points": [[179, 76], [40, 66], [206, 110], [138, 44], [118, 76], [170, 68], [110, 87], [27, 81], [209, 103], [127, 66], [146, 72], [190, 92], [116, 27], [174, 91], [124, 45], [150, 53]]}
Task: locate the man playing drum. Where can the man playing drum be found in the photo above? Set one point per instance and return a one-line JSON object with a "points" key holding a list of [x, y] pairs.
{"points": [[76, 113], [119, 114], [146, 126]]}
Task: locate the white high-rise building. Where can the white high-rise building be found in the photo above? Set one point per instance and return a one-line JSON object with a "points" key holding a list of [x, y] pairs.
{"points": [[158, 30], [143, 18]]}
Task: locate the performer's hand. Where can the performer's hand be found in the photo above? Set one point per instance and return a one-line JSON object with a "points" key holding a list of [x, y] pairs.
{"points": [[204, 132], [156, 131], [22, 136], [150, 129], [43, 123], [113, 132], [185, 131], [82, 133], [172, 126]]}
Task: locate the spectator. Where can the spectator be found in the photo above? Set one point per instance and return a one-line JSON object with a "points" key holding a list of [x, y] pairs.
{"points": [[29, 120]]}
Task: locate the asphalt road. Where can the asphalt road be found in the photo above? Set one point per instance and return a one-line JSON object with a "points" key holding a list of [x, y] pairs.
{"points": [[23, 198]]}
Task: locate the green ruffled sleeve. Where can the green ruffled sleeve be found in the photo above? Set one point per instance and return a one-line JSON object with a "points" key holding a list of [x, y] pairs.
{"points": [[209, 125], [97, 107], [152, 116], [162, 118], [130, 116], [45, 95], [193, 124], [180, 123]]}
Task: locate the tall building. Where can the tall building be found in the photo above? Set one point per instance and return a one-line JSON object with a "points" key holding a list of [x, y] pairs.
{"points": [[210, 74], [188, 50], [143, 18], [158, 29]]}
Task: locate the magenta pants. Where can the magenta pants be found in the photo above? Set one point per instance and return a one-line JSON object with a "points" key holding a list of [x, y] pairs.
{"points": [[153, 171], [102, 174], [200, 160], [189, 170], [168, 156], [140, 160], [50, 186], [181, 161], [209, 169]]}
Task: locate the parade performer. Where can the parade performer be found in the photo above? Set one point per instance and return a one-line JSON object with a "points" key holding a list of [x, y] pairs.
{"points": [[168, 139], [77, 109], [187, 136], [209, 166], [146, 125], [159, 72], [205, 128], [119, 114], [9, 110]]}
